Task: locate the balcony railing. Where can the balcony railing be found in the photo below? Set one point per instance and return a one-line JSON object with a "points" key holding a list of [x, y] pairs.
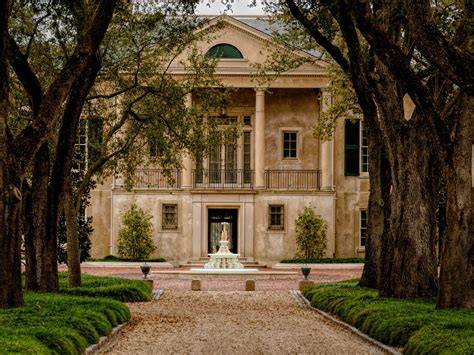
{"points": [[292, 179], [223, 179], [304, 180], [155, 179]]}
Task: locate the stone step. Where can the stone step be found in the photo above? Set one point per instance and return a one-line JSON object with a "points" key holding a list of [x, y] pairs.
{"points": [[247, 264]]}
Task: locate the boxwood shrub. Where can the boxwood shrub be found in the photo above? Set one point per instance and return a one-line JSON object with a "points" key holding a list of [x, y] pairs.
{"points": [[324, 261], [58, 324], [124, 290], [415, 325]]}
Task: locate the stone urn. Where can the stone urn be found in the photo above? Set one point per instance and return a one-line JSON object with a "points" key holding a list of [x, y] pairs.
{"points": [[145, 270], [305, 270]]}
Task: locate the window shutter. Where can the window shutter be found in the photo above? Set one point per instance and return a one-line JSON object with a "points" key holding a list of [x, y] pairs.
{"points": [[351, 148]]}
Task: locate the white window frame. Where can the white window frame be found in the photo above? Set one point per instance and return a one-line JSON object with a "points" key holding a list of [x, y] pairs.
{"points": [[363, 150]]}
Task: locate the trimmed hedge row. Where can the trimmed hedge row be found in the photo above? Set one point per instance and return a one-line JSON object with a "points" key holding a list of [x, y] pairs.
{"points": [[324, 261], [113, 258], [415, 325], [124, 290], [58, 324]]}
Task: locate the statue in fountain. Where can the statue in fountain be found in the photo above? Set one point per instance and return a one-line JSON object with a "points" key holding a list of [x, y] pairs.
{"points": [[224, 259]]}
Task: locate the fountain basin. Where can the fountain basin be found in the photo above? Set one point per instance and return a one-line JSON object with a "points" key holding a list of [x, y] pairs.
{"points": [[223, 271]]}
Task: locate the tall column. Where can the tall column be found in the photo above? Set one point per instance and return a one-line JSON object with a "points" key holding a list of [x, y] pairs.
{"points": [[187, 159], [259, 138], [327, 148]]}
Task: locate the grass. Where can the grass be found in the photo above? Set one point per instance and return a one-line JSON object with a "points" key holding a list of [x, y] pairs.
{"points": [[112, 258], [417, 326], [58, 323], [124, 290], [323, 261]]}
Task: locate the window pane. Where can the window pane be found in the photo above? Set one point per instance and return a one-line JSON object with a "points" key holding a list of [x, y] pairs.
{"points": [[290, 145], [351, 148], [170, 216], [276, 217]]}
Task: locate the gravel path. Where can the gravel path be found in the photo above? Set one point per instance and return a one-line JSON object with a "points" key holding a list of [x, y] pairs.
{"points": [[231, 322]]}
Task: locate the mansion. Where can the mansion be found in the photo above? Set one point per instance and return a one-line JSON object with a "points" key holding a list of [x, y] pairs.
{"points": [[261, 183]]}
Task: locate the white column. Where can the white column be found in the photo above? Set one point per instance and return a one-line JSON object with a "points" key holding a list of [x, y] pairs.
{"points": [[259, 138], [187, 159], [327, 148]]}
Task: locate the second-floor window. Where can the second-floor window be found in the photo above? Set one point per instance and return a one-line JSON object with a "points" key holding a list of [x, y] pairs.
{"points": [[356, 149], [290, 145]]}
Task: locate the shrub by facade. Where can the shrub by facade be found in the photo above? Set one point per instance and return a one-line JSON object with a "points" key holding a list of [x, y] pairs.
{"points": [[136, 235], [311, 231]]}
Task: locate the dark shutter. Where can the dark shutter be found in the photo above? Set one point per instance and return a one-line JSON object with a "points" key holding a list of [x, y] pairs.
{"points": [[351, 148]]}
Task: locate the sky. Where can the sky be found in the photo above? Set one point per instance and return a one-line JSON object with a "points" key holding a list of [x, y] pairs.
{"points": [[239, 7]]}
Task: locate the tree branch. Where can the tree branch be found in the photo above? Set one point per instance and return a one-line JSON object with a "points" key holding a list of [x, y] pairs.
{"points": [[23, 71], [457, 64], [323, 41]]}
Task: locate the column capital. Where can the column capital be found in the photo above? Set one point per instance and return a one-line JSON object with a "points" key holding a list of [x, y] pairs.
{"points": [[260, 90]]}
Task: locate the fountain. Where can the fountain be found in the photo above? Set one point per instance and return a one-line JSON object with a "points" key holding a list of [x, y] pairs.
{"points": [[224, 261]]}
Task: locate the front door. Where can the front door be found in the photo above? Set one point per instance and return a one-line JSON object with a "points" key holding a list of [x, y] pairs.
{"points": [[216, 217]]}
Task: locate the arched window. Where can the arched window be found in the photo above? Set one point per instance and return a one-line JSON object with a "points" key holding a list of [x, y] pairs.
{"points": [[225, 50]]}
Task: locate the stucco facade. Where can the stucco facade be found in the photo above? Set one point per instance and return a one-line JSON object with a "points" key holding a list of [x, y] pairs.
{"points": [[279, 169]]}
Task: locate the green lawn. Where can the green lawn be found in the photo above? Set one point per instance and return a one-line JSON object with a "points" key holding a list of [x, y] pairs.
{"points": [[67, 323], [417, 326]]}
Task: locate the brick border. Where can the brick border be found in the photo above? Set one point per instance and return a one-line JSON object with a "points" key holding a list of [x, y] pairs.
{"points": [[304, 303]]}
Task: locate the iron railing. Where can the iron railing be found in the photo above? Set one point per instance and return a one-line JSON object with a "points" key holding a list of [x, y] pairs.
{"points": [[155, 179], [223, 179], [293, 179]]}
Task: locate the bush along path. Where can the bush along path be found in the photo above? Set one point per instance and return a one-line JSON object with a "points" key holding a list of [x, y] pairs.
{"points": [[414, 325], [67, 323]]}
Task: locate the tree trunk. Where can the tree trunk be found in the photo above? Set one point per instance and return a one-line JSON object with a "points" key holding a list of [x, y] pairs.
{"points": [[409, 262], [11, 292], [44, 241], [457, 260], [379, 174], [30, 252], [72, 230]]}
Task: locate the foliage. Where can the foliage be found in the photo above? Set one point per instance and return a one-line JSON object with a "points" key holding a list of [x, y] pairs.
{"points": [[123, 290], [136, 235], [113, 258], [415, 325], [323, 261], [58, 324], [310, 234]]}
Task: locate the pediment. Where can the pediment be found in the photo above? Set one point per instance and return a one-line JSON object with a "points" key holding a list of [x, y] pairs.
{"points": [[255, 44]]}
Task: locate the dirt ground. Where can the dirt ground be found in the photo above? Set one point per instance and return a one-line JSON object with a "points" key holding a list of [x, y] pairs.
{"points": [[231, 322]]}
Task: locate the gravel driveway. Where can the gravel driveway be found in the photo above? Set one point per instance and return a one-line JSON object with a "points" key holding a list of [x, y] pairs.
{"points": [[231, 322]]}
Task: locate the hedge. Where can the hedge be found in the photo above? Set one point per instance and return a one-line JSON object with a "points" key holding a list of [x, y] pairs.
{"points": [[124, 290], [58, 324], [113, 258], [415, 325], [323, 261]]}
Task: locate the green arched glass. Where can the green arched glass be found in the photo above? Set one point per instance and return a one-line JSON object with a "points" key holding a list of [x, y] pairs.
{"points": [[226, 51]]}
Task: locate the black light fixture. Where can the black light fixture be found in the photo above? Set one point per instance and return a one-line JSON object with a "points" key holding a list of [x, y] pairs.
{"points": [[223, 109], [305, 270], [145, 269]]}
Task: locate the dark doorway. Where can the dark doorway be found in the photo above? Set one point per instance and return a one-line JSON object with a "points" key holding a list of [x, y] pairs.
{"points": [[216, 217]]}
